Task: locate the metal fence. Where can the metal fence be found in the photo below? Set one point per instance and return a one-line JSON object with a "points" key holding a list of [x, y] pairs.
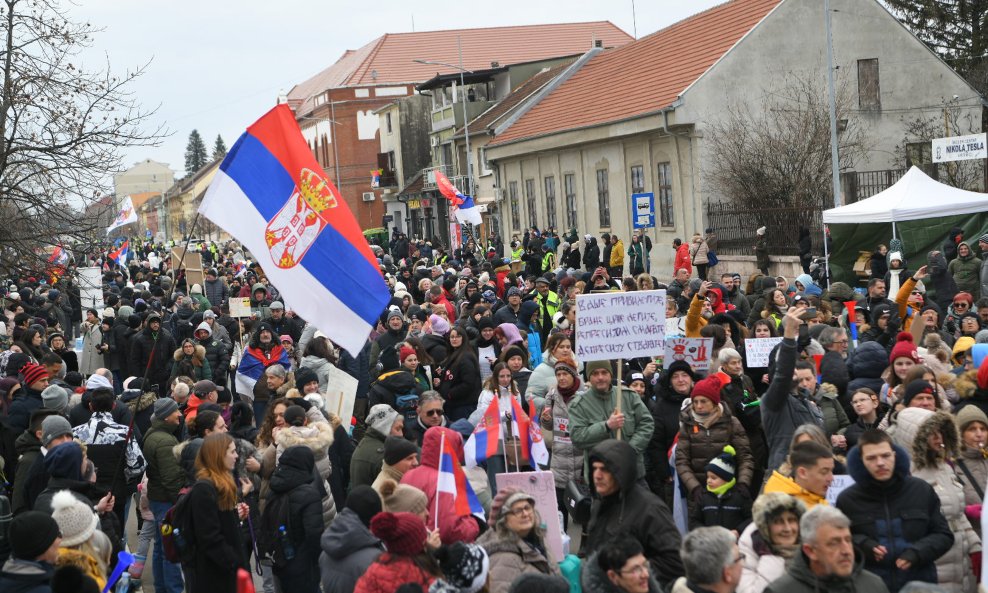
{"points": [[860, 185], [736, 225]]}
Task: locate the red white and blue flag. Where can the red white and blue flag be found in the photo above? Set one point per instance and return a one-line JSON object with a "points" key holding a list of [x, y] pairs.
{"points": [[482, 444], [452, 480], [529, 436], [464, 209], [121, 247], [272, 196]]}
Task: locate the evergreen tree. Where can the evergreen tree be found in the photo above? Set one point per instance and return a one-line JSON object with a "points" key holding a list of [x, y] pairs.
{"points": [[195, 153], [957, 30], [219, 148]]}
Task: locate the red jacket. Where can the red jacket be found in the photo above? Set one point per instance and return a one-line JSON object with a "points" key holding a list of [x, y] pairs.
{"points": [[452, 527], [386, 578], [450, 309], [683, 259]]}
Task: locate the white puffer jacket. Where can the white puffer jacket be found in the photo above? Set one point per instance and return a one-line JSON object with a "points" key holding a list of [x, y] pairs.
{"points": [[317, 435]]}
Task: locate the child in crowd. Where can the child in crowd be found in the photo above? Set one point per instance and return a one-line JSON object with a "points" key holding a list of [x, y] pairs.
{"points": [[722, 504]]}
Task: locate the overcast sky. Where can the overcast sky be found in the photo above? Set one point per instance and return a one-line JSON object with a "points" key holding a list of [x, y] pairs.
{"points": [[217, 66]]}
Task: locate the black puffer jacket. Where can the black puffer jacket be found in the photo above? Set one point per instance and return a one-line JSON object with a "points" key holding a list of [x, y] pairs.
{"points": [[633, 511], [866, 366], [902, 514], [665, 410], [153, 351], [389, 385], [295, 478]]}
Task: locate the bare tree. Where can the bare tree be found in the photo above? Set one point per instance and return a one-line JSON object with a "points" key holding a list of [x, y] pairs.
{"points": [[775, 153], [916, 147], [62, 130]]}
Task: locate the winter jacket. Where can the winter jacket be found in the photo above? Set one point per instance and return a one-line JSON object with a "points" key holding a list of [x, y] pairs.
{"points": [[317, 436], [761, 252], [91, 358], [293, 478], [217, 540], [566, 462], [588, 414], [460, 384], [391, 384], [153, 352], [683, 260], [592, 578], [348, 550], [984, 276], [636, 258], [28, 449], [966, 271], [698, 253], [591, 255], [853, 432], [384, 356], [165, 476], [731, 510], [452, 527], [25, 576], [322, 367], [199, 364], [783, 410], [388, 573], [632, 511], [665, 409], [786, 485], [866, 366], [367, 459], [759, 565], [180, 324], [913, 427], [903, 514], [510, 557], [217, 355], [19, 414], [833, 370], [698, 445], [800, 579], [834, 417], [216, 291]]}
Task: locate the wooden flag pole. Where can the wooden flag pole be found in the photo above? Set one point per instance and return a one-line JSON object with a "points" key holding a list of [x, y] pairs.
{"points": [[620, 394]]}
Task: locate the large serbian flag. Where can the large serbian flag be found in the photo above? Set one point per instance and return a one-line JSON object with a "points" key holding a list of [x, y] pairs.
{"points": [[272, 196], [463, 207]]}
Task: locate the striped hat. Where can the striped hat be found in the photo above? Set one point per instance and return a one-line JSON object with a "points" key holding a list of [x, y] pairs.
{"points": [[33, 373], [983, 238], [723, 464]]}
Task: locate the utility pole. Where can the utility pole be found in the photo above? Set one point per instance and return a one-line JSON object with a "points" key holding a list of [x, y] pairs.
{"points": [[832, 92]]}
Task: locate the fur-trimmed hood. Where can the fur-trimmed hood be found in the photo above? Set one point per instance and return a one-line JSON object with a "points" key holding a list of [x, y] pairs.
{"points": [[770, 505], [966, 386], [913, 426], [198, 355], [317, 436]]}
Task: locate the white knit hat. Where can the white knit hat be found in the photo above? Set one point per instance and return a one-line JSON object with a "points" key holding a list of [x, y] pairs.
{"points": [[76, 520]]}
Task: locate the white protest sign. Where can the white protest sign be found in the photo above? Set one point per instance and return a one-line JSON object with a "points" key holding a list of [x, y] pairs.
{"points": [[341, 391], [695, 351], [91, 290], [240, 307], [542, 487], [960, 148], [840, 484], [756, 351], [620, 325]]}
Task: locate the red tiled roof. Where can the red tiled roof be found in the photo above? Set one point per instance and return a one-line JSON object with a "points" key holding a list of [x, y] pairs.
{"points": [[641, 77], [388, 59]]}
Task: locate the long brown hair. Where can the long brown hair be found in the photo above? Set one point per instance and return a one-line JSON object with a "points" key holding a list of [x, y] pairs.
{"points": [[492, 385], [264, 436], [211, 465]]}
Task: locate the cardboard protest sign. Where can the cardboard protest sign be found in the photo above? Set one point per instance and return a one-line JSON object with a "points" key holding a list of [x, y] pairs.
{"points": [[695, 351], [341, 391], [840, 484], [240, 307], [756, 351], [542, 487], [90, 290], [620, 325]]}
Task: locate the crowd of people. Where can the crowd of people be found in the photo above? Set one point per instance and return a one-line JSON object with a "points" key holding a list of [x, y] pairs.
{"points": [[210, 431]]}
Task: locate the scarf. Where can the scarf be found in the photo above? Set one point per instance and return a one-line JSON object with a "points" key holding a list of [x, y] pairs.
{"points": [[570, 392], [724, 488], [706, 420]]}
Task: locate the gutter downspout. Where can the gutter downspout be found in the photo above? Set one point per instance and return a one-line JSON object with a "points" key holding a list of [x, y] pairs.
{"points": [[665, 128]]}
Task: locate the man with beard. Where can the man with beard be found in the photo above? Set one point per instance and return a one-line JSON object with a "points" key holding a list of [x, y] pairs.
{"points": [[384, 354], [734, 296]]}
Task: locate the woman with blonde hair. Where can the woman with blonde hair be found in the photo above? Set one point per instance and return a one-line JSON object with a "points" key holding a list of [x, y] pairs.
{"points": [[215, 519], [83, 544]]}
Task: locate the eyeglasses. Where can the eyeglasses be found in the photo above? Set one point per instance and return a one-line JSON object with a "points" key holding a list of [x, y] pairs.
{"points": [[522, 511], [960, 305], [917, 293], [637, 570], [841, 341], [431, 413]]}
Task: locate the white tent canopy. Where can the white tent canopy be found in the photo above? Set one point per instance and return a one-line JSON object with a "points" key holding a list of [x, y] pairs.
{"points": [[914, 197]]}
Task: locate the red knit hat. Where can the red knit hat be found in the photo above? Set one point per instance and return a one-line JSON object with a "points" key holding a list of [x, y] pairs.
{"points": [[404, 353], [904, 348], [708, 388], [402, 533], [33, 373], [983, 375]]}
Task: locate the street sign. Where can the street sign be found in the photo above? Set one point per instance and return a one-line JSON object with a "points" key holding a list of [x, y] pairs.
{"points": [[960, 148], [643, 210]]}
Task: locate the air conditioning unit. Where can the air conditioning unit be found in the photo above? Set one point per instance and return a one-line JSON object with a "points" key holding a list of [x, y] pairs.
{"points": [[434, 141], [368, 196]]}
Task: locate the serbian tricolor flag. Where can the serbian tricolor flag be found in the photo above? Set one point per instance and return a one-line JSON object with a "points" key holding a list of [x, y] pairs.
{"points": [[463, 207], [482, 444], [852, 321], [529, 436], [272, 196], [56, 263], [252, 366], [452, 480], [121, 247]]}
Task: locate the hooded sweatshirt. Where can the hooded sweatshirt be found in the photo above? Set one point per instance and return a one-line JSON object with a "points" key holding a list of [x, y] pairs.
{"points": [[348, 550]]}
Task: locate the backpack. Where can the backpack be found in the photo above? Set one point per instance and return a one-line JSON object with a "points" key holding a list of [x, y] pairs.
{"points": [[407, 405], [270, 541], [176, 531]]}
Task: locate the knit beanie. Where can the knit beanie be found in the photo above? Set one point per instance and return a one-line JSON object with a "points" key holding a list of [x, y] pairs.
{"points": [[968, 415], [55, 397], [502, 502], [567, 364], [904, 348], [381, 418], [304, 376], [31, 534], [398, 448], [404, 353], [440, 327], [365, 502], [723, 465], [402, 498], [402, 533], [52, 427], [914, 389], [593, 365], [164, 407], [76, 520], [708, 388], [465, 566], [395, 312], [33, 373]]}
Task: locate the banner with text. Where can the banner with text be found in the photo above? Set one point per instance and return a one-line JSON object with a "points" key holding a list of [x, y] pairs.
{"points": [[756, 351], [695, 351], [620, 325]]}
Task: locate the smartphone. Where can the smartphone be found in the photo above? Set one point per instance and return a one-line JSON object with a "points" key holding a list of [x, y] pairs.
{"points": [[808, 314]]}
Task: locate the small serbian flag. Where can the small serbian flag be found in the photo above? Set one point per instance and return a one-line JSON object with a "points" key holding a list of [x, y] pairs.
{"points": [[529, 436], [482, 444], [465, 210], [121, 247], [852, 320], [272, 196], [453, 481]]}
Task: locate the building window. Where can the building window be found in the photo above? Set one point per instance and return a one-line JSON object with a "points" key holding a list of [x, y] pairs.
{"points": [[569, 186], [637, 179], [603, 198], [533, 213], [869, 91], [550, 201], [665, 195], [515, 207], [387, 118]]}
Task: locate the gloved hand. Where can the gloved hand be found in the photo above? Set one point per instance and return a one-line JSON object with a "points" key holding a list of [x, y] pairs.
{"points": [[973, 512], [976, 565]]}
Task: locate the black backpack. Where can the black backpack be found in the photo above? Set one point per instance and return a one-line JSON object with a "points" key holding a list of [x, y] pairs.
{"points": [[271, 539]]}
